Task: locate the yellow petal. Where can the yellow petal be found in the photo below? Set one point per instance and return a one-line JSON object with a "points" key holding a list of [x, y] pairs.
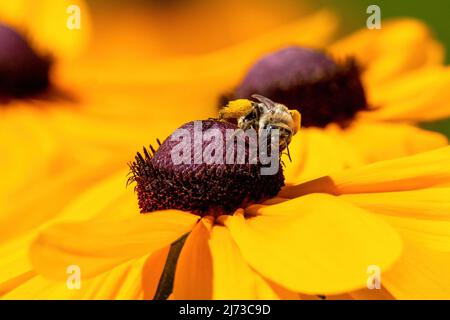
{"points": [[125, 282], [108, 198], [421, 216], [320, 185], [44, 200], [414, 172], [20, 127], [404, 140], [136, 279], [233, 277], [317, 152], [39, 287], [215, 24], [122, 282], [430, 203], [316, 244], [420, 273], [400, 46], [102, 243], [12, 11], [151, 272], [15, 267], [194, 273], [226, 65], [45, 22], [431, 234], [417, 96]]}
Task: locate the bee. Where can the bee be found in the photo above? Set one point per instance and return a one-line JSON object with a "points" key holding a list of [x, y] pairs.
{"points": [[264, 114]]}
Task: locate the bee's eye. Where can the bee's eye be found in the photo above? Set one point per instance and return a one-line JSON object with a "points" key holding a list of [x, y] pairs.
{"points": [[286, 130], [283, 131]]}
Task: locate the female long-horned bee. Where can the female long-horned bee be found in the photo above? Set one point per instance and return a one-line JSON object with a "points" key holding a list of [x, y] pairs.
{"points": [[263, 115]]}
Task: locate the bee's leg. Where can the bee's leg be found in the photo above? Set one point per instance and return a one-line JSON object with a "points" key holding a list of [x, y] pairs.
{"points": [[238, 130], [258, 111], [288, 153], [246, 126]]}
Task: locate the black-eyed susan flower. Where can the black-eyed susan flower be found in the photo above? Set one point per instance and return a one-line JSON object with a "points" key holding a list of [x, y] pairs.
{"points": [[315, 238], [101, 110], [35, 44], [132, 269], [105, 106], [364, 88]]}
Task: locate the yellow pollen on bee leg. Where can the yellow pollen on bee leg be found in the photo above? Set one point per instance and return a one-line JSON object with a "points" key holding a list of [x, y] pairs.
{"points": [[236, 109]]}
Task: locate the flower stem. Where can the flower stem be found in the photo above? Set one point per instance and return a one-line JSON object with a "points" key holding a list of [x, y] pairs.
{"points": [[165, 285]]}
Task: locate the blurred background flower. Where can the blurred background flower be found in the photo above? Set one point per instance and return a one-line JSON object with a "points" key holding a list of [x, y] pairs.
{"points": [[44, 21], [112, 97], [433, 14], [117, 95]]}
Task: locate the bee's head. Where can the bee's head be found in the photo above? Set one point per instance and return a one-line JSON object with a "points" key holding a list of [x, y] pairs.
{"points": [[283, 131]]}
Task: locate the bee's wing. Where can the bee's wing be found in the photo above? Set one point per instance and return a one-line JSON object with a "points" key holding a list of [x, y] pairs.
{"points": [[236, 109], [266, 101]]}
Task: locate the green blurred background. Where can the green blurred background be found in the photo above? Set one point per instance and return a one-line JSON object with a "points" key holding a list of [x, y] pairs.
{"points": [[435, 13]]}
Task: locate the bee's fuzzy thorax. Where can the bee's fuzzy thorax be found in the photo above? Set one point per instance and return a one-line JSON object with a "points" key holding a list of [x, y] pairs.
{"points": [[22, 71], [204, 189], [307, 80]]}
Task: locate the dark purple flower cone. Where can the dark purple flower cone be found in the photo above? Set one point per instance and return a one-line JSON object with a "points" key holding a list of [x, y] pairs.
{"points": [[322, 90], [203, 188], [22, 71]]}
